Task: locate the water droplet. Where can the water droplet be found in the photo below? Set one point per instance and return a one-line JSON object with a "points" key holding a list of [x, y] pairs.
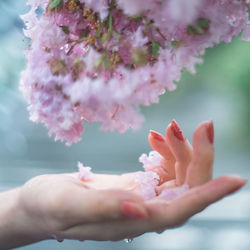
{"points": [[129, 240], [159, 231], [56, 237]]}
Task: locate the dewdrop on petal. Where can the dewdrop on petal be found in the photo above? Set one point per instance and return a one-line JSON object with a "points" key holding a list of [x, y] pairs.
{"points": [[100, 60], [83, 172]]}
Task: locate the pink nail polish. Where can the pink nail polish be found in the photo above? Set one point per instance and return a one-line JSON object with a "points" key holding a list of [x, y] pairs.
{"points": [[210, 132], [177, 131], [157, 136], [133, 210]]}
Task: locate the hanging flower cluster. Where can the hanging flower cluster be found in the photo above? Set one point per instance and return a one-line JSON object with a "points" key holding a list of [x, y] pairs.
{"points": [[99, 60]]}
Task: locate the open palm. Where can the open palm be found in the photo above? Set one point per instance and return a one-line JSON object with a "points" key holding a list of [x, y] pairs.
{"points": [[110, 207]]}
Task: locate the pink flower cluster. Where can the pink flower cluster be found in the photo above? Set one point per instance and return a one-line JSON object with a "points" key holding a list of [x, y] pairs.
{"points": [[99, 60], [149, 180], [83, 172]]}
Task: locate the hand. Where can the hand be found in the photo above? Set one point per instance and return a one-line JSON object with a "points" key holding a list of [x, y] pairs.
{"points": [[182, 163], [109, 207]]}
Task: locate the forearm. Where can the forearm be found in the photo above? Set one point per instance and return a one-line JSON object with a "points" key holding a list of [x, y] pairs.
{"points": [[16, 226]]}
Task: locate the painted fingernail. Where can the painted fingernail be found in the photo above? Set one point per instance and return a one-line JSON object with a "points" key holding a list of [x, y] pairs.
{"points": [[210, 132], [157, 136], [133, 210], [177, 131]]}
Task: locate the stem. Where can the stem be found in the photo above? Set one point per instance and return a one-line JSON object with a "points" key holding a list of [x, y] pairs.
{"points": [[112, 4], [160, 33], [81, 40], [110, 23], [149, 24], [99, 31]]}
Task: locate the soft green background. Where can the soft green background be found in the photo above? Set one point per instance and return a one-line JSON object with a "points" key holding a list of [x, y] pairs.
{"points": [[219, 91]]}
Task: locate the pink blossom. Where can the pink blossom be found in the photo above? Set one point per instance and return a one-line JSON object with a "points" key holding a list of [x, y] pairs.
{"points": [[148, 181], [173, 193], [154, 159], [84, 172], [99, 61]]}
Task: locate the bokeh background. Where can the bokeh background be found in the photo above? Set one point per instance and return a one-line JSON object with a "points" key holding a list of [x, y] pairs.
{"points": [[219, 91]]}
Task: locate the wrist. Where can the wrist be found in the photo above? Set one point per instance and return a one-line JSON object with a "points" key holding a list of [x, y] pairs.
{"points": [[17, 226]]}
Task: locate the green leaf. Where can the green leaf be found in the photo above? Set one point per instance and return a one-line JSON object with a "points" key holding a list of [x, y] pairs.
{"points": [[85, 32], [107, 62], [191, 30], [201, 27], [136, 18], [140, 57], [103, 62], [65, 29], [58, 4], [203, 23], [175, 44], [155, 47]]}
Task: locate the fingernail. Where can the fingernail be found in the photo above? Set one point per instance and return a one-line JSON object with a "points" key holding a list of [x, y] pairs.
{"points": [[133, 210], [210, 132], [177, 131], [157, 136]]}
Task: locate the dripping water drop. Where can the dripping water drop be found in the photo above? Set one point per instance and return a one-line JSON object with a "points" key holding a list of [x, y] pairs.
{"points": [[159, 231], [129, 240]]}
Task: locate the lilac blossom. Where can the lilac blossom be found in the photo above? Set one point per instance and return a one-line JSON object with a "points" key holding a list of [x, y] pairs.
{"points": [[99, 61], [83, 172], [149, 180]]}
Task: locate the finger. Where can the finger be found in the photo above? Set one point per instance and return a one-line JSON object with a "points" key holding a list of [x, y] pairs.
{"points": [[165, 185], [114, 204], [181, 149], [170, 214], [83, 206], [163, 214], [158, 142], [201, 167], [106, 231]]}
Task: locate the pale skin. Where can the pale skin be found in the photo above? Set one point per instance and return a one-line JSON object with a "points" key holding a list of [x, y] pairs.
{"points": [[110, 207]]}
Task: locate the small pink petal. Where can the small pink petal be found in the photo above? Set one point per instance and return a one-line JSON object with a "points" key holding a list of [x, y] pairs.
{"points": [[84, 172], [173, 193], [148, 182]]}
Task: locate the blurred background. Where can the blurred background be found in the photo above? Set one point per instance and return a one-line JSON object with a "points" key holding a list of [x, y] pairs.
{"points": [[219, 91]]}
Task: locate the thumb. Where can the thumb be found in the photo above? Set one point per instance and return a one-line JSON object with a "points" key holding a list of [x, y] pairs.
{"points": [[197, 199], [98, 205]]}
